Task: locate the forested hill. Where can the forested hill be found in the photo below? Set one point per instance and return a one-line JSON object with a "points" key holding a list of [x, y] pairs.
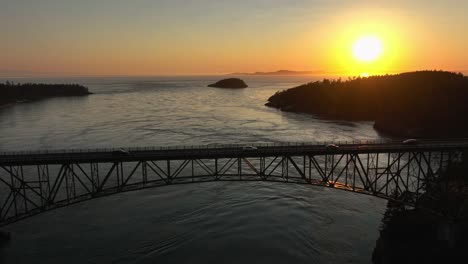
{"points": [[416, 104], [11, 93]]}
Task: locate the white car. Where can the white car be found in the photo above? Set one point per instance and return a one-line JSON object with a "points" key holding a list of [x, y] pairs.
{"points": [[332, 146], [120, 152], [249, 148], [410, 141]]}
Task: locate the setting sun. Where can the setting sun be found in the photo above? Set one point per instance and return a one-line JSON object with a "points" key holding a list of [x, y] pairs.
{"points": [[367, 49]]}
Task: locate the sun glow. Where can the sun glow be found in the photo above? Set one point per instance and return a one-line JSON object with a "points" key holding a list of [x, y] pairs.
{"points": [[367, 49], [371, 41]]}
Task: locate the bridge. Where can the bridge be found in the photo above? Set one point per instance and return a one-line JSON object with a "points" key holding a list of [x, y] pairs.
{"points": [[35, 182]]}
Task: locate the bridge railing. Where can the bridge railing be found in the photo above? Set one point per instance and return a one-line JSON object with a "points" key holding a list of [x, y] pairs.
{"points": [[184, 147]]}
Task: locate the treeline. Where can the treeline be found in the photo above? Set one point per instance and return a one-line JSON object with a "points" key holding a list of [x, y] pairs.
{"points": [[11, 92], [418, 104]]}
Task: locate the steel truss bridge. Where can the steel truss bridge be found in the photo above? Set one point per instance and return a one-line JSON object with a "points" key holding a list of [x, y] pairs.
{"points": [[35, 182]]}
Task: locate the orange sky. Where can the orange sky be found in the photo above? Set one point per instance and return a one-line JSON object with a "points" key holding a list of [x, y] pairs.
{"points": [[143, 37]]}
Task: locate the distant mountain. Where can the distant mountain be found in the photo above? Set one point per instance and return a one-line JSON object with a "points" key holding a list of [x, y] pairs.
{"points": [[280, 72]]}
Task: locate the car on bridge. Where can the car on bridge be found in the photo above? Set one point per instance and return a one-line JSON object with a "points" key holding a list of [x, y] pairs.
{"points": [[249, 148], [120, 152], [332, 146], [410, 141]]}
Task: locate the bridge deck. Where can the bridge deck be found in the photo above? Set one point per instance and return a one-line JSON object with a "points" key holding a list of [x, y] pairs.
{"points": [[220, 151]]}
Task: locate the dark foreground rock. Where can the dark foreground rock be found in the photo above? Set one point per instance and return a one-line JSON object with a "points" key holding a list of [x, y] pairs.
{"points": [[232, 83], [12, 93], [436, 232], [419, 237], [4, 237], [414, 104]]}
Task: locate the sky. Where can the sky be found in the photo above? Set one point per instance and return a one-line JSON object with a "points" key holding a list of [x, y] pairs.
{"points": [[203, 37]]}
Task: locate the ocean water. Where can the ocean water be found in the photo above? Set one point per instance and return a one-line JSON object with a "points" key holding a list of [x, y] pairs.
{"points": [[199, 223]]}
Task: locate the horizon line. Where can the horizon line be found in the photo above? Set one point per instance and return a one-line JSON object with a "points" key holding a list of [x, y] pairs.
{"points": [[313, 73]]}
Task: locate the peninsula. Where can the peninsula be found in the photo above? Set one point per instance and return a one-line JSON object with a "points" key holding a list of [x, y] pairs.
{"points": [[13, 93], [413, 104]]}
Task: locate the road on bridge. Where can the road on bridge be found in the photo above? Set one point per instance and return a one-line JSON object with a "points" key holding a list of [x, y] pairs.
{"points": [[222, 151]]}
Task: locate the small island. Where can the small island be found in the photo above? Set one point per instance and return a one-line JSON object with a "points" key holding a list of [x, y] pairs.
{"points": [[231, 83], [14, 93], [414, 104]]}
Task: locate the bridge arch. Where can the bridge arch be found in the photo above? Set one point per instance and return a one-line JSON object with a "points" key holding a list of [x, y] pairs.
{"points": [[32, 183]]}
